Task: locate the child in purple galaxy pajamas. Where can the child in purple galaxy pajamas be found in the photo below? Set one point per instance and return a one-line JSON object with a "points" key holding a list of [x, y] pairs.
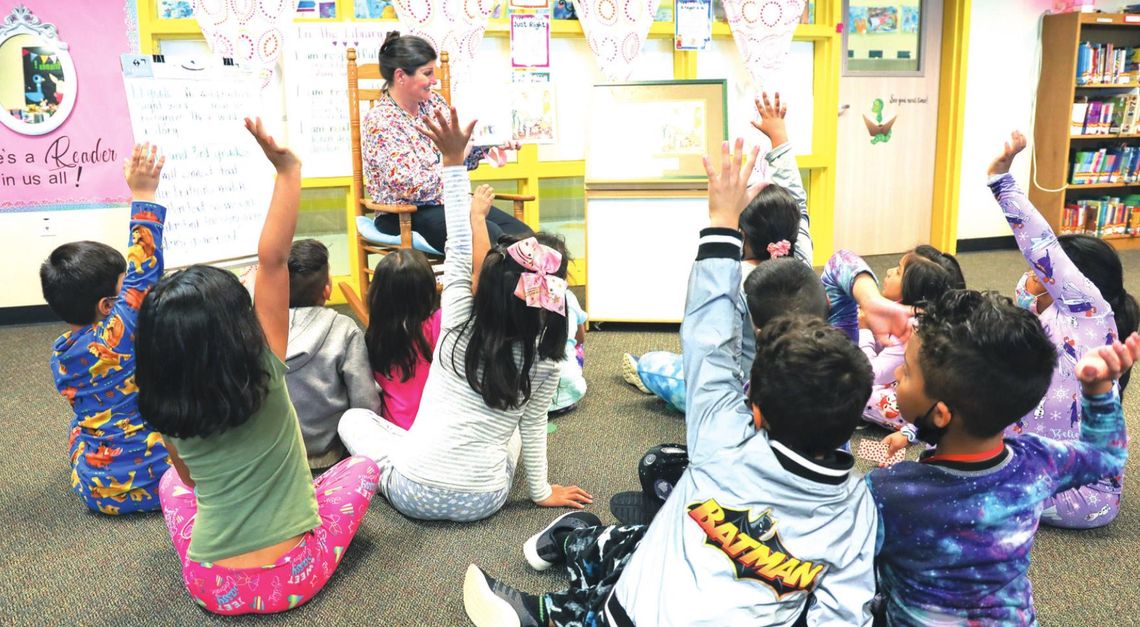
{"points": [[975, 364], [1076, 289]]}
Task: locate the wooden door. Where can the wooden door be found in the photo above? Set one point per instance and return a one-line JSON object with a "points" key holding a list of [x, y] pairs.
{"points": [[885, 146]]}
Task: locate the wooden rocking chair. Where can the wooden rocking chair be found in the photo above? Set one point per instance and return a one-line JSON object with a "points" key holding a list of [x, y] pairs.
{"points": [[363, 205]]}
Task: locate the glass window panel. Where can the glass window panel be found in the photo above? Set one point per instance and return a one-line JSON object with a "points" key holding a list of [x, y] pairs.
{"points": [[563, 211], [322, 217], [883, 38]]}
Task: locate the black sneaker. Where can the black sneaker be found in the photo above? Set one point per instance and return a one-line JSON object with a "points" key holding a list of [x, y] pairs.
{"points": [[544, 549], [490, 603]]}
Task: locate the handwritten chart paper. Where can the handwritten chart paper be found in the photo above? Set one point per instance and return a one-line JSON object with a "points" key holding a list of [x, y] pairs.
{"points": [[316, 90], [530, 40], [216, 183]]}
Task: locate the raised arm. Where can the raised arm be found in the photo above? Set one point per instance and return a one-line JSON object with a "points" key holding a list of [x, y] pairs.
{"points": [[451, 140], [271, 289], [480, 239], [716, 415], [785, 170], [144, 253], [1072, 293]]}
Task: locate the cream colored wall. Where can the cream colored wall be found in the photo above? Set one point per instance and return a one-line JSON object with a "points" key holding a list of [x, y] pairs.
{"points": [[1001, 82], [25, 247]]}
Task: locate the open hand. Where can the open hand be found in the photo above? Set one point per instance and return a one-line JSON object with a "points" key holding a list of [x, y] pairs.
{"points": [[448, 136], [772, 119], [281, 157], [729, 193], [481, 200], [1102, 365], [1002, 162], [887, 320], [566, 496], [143, 170]]}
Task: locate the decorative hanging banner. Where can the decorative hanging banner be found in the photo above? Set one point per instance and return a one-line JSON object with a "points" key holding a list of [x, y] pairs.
{"points": [[763, 32], [616, 30], [693, 24], [247, 31], [454, 26], [530, 40]]}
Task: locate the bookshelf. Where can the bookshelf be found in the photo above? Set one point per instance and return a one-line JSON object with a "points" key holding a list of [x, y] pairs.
{"points": [[1054, 145]]}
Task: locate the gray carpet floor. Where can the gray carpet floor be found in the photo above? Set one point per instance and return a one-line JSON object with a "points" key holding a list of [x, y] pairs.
{"points": [[60, 564]]}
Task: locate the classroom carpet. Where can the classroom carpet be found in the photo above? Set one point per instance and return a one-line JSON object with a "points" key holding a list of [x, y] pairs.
{"points": [[61, 564]]}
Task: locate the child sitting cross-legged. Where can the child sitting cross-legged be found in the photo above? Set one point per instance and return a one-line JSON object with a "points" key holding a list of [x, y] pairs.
{"points": [[116, 457], [328, 371], [572, 382], [253, 531], [975, 365], [767, 514]]}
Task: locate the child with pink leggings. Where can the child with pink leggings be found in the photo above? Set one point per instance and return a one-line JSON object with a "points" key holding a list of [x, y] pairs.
{"points": [[253, 531]]}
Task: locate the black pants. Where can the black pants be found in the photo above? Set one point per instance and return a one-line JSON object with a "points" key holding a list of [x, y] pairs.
{"points": [[429, 221], [595, 559]]}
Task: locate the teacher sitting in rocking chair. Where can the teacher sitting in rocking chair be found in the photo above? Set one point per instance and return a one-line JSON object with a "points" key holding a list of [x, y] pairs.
{"points": [[401, 165]]}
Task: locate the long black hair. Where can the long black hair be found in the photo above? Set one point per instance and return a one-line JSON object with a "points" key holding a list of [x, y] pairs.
{"points": [[200, 352], [925, 280], [502, 323], [403, 52], [1098, 261], [401, 297], [773, 215]]}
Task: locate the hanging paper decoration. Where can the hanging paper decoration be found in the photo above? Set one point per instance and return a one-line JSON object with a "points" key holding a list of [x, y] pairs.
{"points": [[248, 31], [616, 30], [454, 26], [763, 32]]}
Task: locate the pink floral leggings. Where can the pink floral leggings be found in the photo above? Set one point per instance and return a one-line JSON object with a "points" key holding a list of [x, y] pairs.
{"points": [[343, 494]]}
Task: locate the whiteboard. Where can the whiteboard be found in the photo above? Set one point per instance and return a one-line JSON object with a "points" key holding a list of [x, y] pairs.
{"points": [[641, 278], [216, 183]]}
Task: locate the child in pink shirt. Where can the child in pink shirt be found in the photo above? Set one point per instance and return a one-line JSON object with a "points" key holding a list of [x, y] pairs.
{"points": [[403, 327]]}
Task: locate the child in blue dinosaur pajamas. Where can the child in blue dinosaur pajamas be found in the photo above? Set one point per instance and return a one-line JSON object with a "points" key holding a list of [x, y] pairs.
{"points": [[1076, 289], [117, 459]]}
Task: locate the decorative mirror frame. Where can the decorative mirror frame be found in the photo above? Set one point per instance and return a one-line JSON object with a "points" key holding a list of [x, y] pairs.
{"points": [[21, 21]]}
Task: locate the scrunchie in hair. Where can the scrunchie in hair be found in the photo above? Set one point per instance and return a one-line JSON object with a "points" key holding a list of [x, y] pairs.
{"points": [[779, 249]]}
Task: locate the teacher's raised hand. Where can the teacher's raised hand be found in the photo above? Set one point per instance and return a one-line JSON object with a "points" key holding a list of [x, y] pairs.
{"points": [[448, 136]]}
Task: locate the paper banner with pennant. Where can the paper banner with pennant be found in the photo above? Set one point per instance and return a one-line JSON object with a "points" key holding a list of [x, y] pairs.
{"points": [[763, 32], [454, 26], [248, 31], [616, 30]]}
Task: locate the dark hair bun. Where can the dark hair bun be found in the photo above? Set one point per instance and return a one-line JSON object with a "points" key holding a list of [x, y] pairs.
{"points": [[388, 39]]}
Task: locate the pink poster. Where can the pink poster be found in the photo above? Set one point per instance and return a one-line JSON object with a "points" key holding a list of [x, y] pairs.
{"points": [[80, 161]]}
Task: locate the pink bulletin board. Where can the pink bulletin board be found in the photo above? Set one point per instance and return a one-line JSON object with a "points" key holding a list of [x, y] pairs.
{"points": [[80, 163]]}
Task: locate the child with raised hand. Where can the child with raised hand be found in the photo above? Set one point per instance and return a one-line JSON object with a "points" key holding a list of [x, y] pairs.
{"points": [[494, 371], [774, 224], [403, 328], [116, 457], [1075, 286], [255, 533], [974, 366], [767, 515], [327, 363]]}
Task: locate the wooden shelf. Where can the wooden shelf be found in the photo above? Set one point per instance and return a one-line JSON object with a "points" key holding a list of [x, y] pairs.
{"points": [[1102, 185], [1109, 86], [1124, 243], [1128, 136]]}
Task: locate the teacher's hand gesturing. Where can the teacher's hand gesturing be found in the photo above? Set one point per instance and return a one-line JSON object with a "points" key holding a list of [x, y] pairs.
{"points": [[448, 137]]}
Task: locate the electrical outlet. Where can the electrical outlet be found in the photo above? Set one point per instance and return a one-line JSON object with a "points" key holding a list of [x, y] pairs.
{"points": [[47, 227]]}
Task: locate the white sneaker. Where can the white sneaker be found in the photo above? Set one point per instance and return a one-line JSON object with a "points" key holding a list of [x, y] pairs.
{"points": [[629, 373]]}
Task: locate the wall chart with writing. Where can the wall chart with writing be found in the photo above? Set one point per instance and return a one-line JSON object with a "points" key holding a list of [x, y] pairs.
{"points": [[217, 183], [316, 92]]}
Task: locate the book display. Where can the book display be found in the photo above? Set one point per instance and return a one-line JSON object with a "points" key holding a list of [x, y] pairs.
{"points": [[1086, 171]]}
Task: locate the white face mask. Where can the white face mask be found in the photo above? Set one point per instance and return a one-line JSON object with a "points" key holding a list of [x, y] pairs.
{"points": [[1023, 297]]}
